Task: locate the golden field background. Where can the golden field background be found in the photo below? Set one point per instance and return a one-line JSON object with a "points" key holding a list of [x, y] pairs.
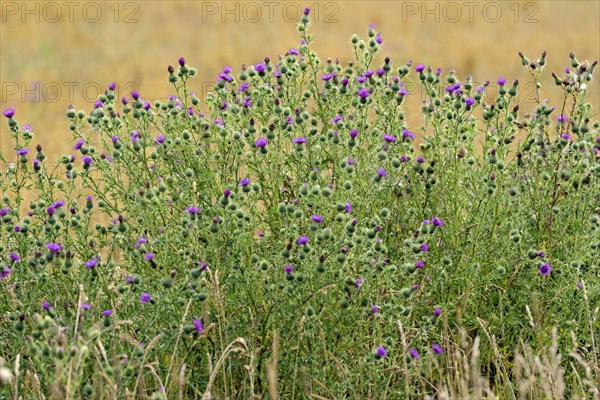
{"points": [[90, 44]]}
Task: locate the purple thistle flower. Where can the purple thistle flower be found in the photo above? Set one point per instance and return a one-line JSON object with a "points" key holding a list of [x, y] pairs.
{"points": [[145, 297], [363, 93], [112, 86], [437, 221], [327, 77], [85, 306], [337, 119], [227, 192], [299, 140], [87, 160], [225, 77], [562, 118], [260, 67], [302, 240], [501, 81], [198, 325], [9, 112], [294, 51], [245, 182], [192, 210], [244, 86], [306, 11], [288, 268], [135, 95], [358, 283], [261, 142], [545, 269], [140, 241], [46, 306], [91, 263], [159, 140], [420, 159], [79, 144], [107, 313], [420, 68], [375, 309], [98, 104], [317, 218], [23, 152], [5, 272], [115, 138], [469, 101], [15, 257], [419, 264], [3, 211], [378, 38], [437, 349], [181, 61], [135, 135], [381, 352], [54, 247], [149, 256], [382, 172], [424, 247], [345, 81], [389, 138], [361, 79], [369, 73], [565, 136], [414, 353], [437, 312], [129, 278], [348, 208], [353, 133], [408, 134]]}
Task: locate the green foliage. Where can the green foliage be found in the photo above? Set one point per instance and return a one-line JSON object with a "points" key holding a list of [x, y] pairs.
{"points": [[297, 231]]}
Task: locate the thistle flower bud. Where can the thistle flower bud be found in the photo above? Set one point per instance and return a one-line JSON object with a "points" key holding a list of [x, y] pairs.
{"points": [[524, 60], [574, 62], [542, 59]]}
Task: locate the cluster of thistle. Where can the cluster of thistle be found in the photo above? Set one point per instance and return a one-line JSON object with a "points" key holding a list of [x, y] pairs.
{"points": [[301, 192]]}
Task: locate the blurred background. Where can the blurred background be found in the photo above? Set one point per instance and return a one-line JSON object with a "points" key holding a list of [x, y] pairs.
{"points": [[58, 53]]}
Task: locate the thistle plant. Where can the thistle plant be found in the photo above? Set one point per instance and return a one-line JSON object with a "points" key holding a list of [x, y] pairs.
{"points": [[292, 234]]}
